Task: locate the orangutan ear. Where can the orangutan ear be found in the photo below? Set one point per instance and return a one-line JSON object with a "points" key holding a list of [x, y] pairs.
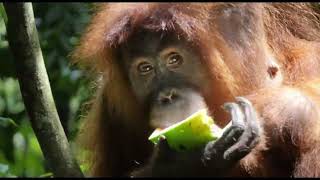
{"points": [[273, 70]]}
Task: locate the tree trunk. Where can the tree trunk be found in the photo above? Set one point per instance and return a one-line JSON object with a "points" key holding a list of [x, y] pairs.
{"points": [[36, 90]]}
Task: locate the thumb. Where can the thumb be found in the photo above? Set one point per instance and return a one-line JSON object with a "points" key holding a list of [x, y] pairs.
{"points": [[163, 149]]}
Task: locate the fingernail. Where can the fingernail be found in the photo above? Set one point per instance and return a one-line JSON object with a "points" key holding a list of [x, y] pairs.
{"points": [[243, 100]]}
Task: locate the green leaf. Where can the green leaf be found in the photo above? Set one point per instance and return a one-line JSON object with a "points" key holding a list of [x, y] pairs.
{"points": [[5, 122], [3, 13], [84, 167]]}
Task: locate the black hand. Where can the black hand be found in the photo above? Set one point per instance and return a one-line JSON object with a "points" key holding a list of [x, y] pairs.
{"points": [[239, 138], [251, 135], [217, 157]]}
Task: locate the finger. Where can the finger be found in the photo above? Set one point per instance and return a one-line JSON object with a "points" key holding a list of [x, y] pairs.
{"points": [[163, 144], [237, 116], [250, 115], [236, 152], [241, 148], [250, 137], [163, 150], [229, 137], [231, 134], [253, 128]]}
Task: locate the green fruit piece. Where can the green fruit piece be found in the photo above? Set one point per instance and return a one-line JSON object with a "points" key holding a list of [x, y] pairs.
{"points": [[191, 133]]}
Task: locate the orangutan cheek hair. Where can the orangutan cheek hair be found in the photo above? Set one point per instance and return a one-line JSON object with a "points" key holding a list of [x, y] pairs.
{"points": [[261, 62]]}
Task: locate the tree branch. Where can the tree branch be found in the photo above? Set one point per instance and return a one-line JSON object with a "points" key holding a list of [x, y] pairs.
{"points": [[36, 90]]}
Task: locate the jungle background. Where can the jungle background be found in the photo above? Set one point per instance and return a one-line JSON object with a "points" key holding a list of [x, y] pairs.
{"points": [[59, 27]]}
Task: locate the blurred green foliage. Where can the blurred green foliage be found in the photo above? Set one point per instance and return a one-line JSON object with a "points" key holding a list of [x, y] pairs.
{"points": [[59, 26]]}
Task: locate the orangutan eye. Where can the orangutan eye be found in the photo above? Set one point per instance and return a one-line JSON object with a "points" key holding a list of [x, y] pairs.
{"points": [[174, 60], [145, 68]]}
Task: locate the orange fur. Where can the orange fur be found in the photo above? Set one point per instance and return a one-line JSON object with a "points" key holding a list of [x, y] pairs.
{"points": [[286, 34]]}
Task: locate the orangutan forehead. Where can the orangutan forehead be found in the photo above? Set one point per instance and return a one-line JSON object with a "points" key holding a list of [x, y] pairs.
{"points": [[150, 43]]}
